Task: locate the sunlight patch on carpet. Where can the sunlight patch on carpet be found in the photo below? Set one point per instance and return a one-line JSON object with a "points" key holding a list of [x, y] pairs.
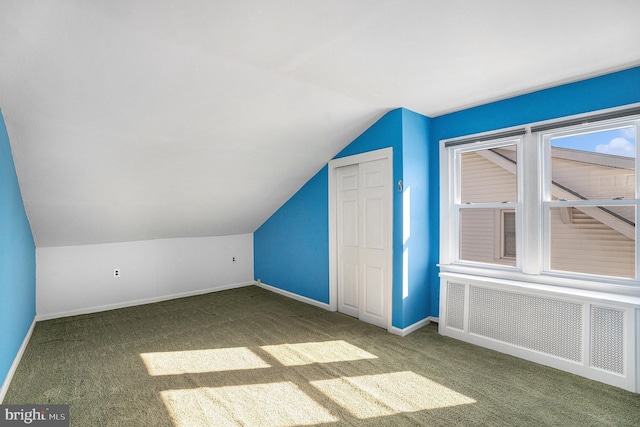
{"points": [[280, 404], [316, 352], [380, 395], [200, 361]]}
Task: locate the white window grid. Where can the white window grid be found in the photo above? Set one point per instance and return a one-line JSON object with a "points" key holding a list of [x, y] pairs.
{"points": [[544, 144], [458, 205]]}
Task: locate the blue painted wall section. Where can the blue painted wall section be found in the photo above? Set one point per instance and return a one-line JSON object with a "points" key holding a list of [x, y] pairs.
{"points": [[420, 245], [17, 261], [280, 255], [608, 91], [291, 249]]}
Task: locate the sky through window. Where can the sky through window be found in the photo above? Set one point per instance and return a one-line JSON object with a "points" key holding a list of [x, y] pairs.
{"points": [[618, 142]]}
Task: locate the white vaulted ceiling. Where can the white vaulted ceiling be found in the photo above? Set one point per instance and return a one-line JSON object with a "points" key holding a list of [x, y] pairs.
{"points": [[143, 119]]}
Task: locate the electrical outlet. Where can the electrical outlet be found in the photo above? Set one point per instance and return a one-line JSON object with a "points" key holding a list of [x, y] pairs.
{"points": [[233, 259], [116, 272]]}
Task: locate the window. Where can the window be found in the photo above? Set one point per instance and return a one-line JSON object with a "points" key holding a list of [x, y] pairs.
{"points": [[488, 183], [555, 200], [590, 200]]}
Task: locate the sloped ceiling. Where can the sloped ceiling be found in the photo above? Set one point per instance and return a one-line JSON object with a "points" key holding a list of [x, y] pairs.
{"points": [[133, 120]]}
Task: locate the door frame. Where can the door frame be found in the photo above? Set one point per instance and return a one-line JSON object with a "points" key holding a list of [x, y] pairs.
{"points": [[384, 153]]}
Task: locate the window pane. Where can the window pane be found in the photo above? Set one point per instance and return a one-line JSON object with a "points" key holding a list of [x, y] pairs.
{"points": [[596, 165], [592, 240], [488, 176], [481, 236]]}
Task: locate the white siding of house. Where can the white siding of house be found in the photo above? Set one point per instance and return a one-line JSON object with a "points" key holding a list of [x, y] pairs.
{"points": [[483, 182], [596, 181], [588, 246], [477, 235]]}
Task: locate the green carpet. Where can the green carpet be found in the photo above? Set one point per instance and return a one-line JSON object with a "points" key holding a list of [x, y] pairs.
{"points": [[254, 358]]}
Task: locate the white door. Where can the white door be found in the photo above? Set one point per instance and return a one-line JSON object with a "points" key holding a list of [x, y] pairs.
{"points": [[363, 244]]}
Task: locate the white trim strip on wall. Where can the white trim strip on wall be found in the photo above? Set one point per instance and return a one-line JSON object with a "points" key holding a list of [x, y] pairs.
{"points": [[16, 362], [125, 304], [412, 328], [293, 296]]}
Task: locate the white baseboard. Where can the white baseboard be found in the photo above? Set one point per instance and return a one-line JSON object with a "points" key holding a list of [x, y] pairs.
{"points": [[16, 362], [292, 295], [393, 329], [107, 307], [412, 328]]}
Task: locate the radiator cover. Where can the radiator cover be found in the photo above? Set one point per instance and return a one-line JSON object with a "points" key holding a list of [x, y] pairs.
{"points": [[541, 324], [576, 334]]}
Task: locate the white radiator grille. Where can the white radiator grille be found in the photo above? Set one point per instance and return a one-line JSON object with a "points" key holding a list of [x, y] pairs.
{"points": [[455, 306], [607, 339], [541, 324]]}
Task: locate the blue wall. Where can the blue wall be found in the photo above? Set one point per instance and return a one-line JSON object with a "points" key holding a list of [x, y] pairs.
{"points": [[288, 247], [17, 261], [611, 90], [419, 240], [598, 93], [291, 249]]}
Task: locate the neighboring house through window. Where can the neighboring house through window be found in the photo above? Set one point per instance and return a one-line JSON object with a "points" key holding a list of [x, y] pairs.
{"points": [[488, 185], [590, 206]]}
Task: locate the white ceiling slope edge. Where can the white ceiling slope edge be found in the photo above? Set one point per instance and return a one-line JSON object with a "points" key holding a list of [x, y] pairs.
{"points": [[133, 120]]}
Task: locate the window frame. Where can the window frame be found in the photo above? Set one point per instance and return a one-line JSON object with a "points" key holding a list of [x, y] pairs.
{"points": [[532, 252], [547, 203], [458, 205]]}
